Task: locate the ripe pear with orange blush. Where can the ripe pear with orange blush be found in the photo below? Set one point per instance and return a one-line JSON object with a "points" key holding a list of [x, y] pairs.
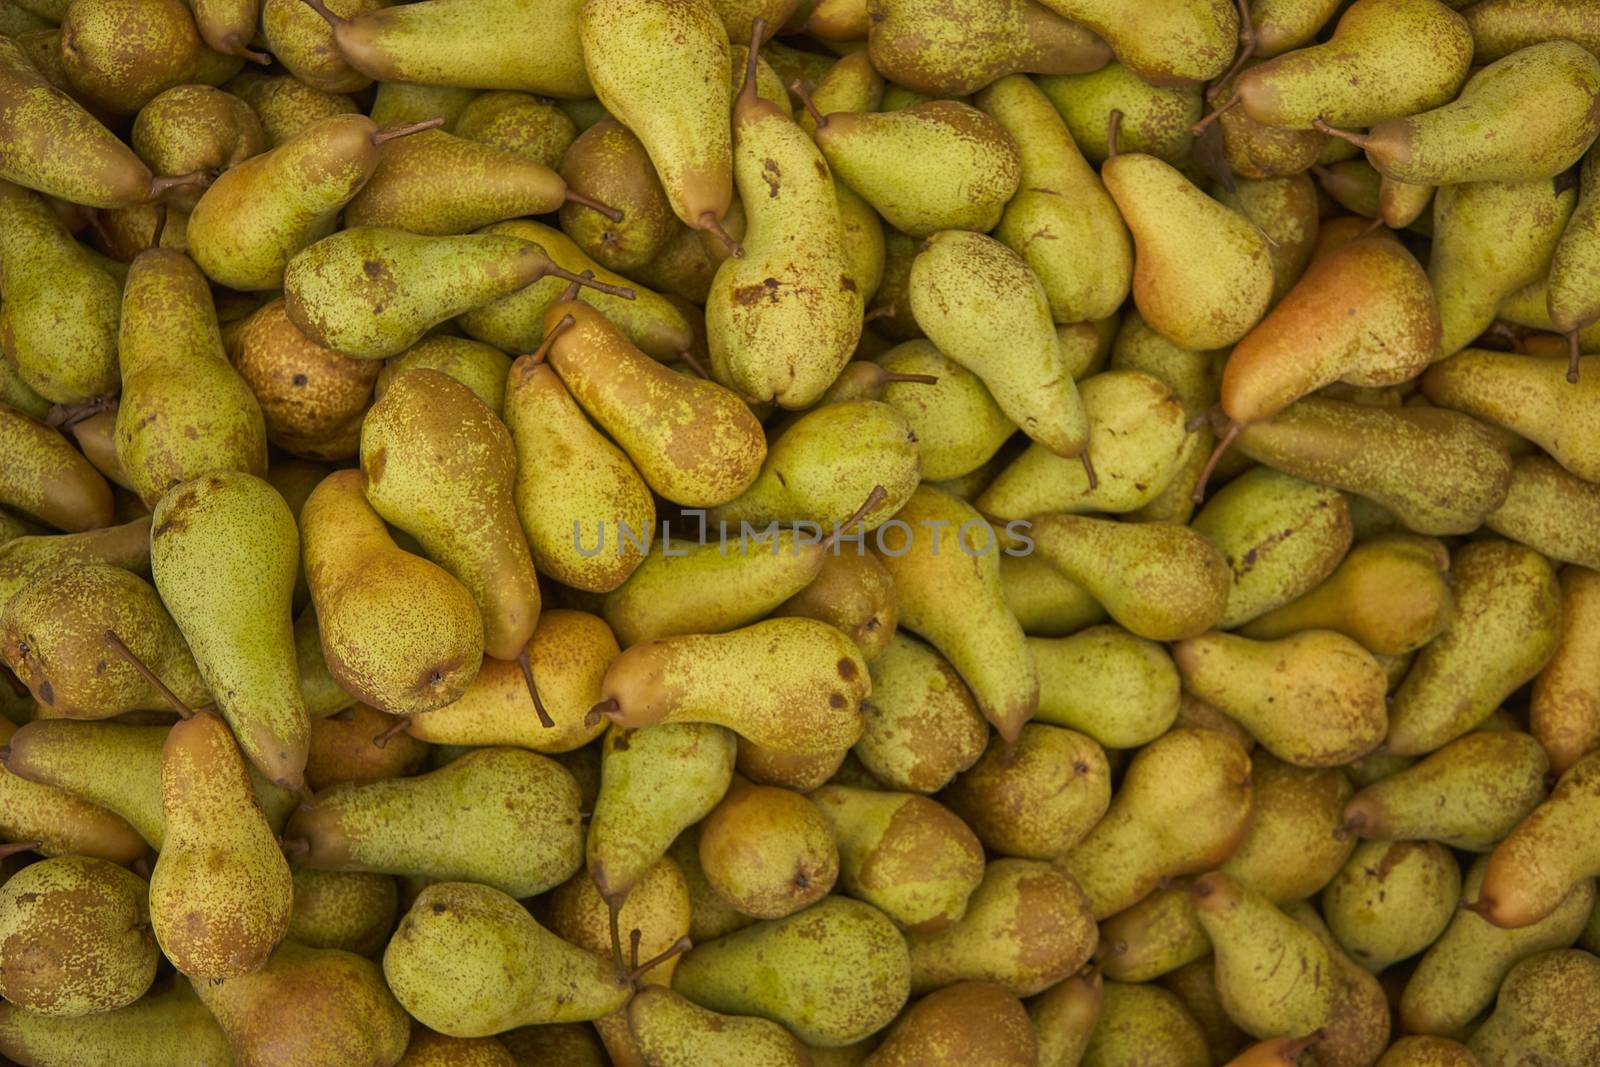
{"points": [[1554, 849]]}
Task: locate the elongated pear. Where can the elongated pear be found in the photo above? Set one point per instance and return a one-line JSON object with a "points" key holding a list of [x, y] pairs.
{"points": [[47, 478], [1183, 43], [221, 892], [168, 1026], [1564, 711], [1504, 630], [1183, 807], [62, 823], [1569, 299], [1546, 1008], [1103, 681], [959, 426], [961, 286], [917, 695], [459, 505], [670, 1030], [854, 593], [223, 552], [1551, 510], [986, 44], [1531, 872], [24, 558]]}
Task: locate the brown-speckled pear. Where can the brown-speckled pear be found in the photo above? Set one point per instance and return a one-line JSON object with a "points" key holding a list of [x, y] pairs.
{"points": [[48, 479], [1564, 712], [458, 503], [228, 26], [833, 973], [783, 319], [1505, 629], [480, 367], [63, 823], [1548, 1008], [1530, 115], [568, 656], [514, 813], [1391, 900], [1391, 593], [608, 163], [184, 411], [950, 52], [429, 1049], [1297, 838], [1178, 43], [974, 164], [1027, 926], [904, 854], [521, 122], [1551, 510], [285, 104], [221, 891], [1423, 1051], [468, 961], [224, 551], [693, 441], [768, 851], [78, 159], [962, 1024], [349, 910], [1531, 872], [1529, 396], [1035, 799], [1202, 272], [981, 304], [398, 632], [1374, 452], [120, 54], [1145, 1022], [58, 323], [196, 127], [1316, 699], [346, 1016], [1386, 59], [53, 637], [1161, 581], [1154, 119], [1064, 1017], [661, 67], [791, 684], [670, 1030], [168, 1026], [654, 783], [75, 937], [24, 558], [1570, 298], [941, 553], [312, 398], [1184, 806], [853, 592], [1103, 681]]}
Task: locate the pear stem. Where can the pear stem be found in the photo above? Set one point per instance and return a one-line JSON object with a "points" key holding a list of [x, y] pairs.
{"points": [[1211, 461], [1371, 228], [694, 364], [1113, 127], [66, 416], [397, 729], [1196, 422], [1216, 113], [294, 846], [18, 846], [593, 205], [635, 936], [237, 47], [533, 690], [885, 377], [551, 270], [159, 186], [1088, 469], [874, 498], [713, 225], [601, 710], [1572, 358], [389, 133], [308, 799], [615, 908], [1357, 139], [322, 9], [683, 944], [1480, 907], [748, 93], [126, 653], [161, 226], [543, 351], [1247, 48], [798, 88], [882, 311]]}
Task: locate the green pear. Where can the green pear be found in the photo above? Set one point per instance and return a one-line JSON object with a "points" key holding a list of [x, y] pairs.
{"points": [[61, 823], [1532, 870], [958, 425], [1148, 1022], [1154, 937], [1563, 713], [1157, 119], [480, 367], [348, 910], [221, 892], [48, 479], [223, 551], [1251, 149], [1504, 630], [1182, 43], [969, 1022], [1119, 689], [1392, 900], [978, 46], [524, 123], [192, 128], [1570, 304], [1421, 1051], [1546, 1009], [768, 851], [832, 974], [1550, 510], [392, 826], [58, 324], [674, 1032], [1297, 839], [1064, 1017], [119, 55], [1183, 807], [606, 163], [285, 104], [710, 914], [75, 937], [1286, 210], [1457, 977], [1468, 794], [158, 1030], [1045, 601], [854, 594], [1035, 799], [1360, 1026], [398, 632], [922, 724]]}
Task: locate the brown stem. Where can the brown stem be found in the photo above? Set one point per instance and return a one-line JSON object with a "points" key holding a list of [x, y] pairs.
{"points": [[237, 47], [126, 653], [294, 846], [389, 133], [874, 498], [1357, 139], [615, 908], [683, 944], [1113, 127], [1572, 358], [601, 710], [713, 225], [161, 225], [1247, 47], [1214, 114], [308, 799], [594, 205], [533, 690], [322, 9], [398, 728], [694, 363], [551, 270], [1088, 469], [798, 88], [1211, 461], [543, 351], [1196, 422], [18, 846], [159, 186], [885, 377], [635, 936], [748, 92], [1371, 227], [1480, 907], [65, 416], [882, 311]]}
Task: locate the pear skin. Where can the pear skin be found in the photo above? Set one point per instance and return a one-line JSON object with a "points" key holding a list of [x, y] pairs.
{"points": [[977, 46], [1564, 713], [1531, 872], [923, 725], [49, 479], [964, 1023], [1119, 689], [168, 1026], [1035, 799]]}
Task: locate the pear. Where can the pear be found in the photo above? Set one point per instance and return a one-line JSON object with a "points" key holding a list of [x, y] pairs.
{"points": [[480, 367], [693, 441], [1155, 119], [768, 851], [53, 636], [853, 593], [1392, 900], [783, 318], [342, 748], [58, 324], [1044, 600], [1202, 272], [285, 104], [979, 164], [1550, 510], [192, 128], [922, 724], [1195, 376], [805, 700], [1298, 837], [75, 937], [223, 551], [1372, 451], [1154, 937], [1546, 1008], [49, 479], [400, 655], [658, 912], [1035, 799], [606, 163], [1187, 42], [1145, 1021], [1468, 794], [958, 425], [1428, 1052], [1119, 689], [1564, 713], [526, 124], [62, 823], [1160, 581], [1062, 220], [1530, 115], [979, 46], [120, 55], [1571, 306], [1456, 979], [166, 1027], [394, 826], [1527, 395], [221, 892], [1064, 1017], [1385, 59], [672, 1031], [653, 784], [1533, 869], [1195, 984], [1249, 148], [832, 974], [1505, 628], [351, 911], [1154, 831], [1285, 209], [461, 509], [710, 914], [964, 1023], [1360, 1026], [1390, 593]]}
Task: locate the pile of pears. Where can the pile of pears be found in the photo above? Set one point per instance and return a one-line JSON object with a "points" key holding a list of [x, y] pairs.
{"points": [[800, 533]]}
